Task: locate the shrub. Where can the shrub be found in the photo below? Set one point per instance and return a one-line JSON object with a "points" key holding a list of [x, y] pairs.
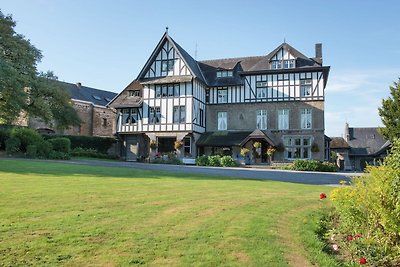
{"points": [[90, 153], [313, 165], [228, 161], [370, 210], [61, 144], [13, 145], [31, 151], [27, 136], [4, 135], [202, 161], [43, 149], [214, 161], [100, 144], [59, 155]]}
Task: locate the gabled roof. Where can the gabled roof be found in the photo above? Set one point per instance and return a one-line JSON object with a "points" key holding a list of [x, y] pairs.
{"points": [[123, 100], [339, 143], [187, 59], [258, 135], [88, 94], [366, 141]]}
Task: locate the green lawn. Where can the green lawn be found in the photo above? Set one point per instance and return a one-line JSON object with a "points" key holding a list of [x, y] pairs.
{"points": [[59, 214]]}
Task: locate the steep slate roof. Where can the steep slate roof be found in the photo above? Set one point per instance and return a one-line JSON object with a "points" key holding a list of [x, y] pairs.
{"points": [[222, 138], [366, 141], [88, 94], [339, 143]]}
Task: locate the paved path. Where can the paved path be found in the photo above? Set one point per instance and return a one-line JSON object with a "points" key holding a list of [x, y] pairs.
{"points": [[320, 178]]}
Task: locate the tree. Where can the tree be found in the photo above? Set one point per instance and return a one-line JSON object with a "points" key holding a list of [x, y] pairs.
{"points": [[390, 113], [23, 88]]}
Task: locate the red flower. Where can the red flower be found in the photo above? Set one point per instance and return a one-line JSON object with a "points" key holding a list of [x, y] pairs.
{"points": [[322, 196], [363, 261], [349, 237]]}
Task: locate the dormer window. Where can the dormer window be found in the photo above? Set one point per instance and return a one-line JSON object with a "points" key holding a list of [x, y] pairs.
{"points": [[282, 64], [167, 65], [224, 73], [96, 97]]}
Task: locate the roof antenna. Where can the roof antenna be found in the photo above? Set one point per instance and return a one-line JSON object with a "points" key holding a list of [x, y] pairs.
{"points": [[166, 29], [195, 52]]}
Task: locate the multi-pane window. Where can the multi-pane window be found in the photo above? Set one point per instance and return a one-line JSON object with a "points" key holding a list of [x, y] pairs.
{"points": [[125, 116], [134, 115], [283, 119], [276, 64], [288, 64], [262, 119], [305, 88], [167, 90], [222, 95], [283, 64], [261, 92], [155, 114], [222, 121], [179, 114], [306, 118], [187, 146], [297, 147], [224, 73], [167, 65], [134, 92]]}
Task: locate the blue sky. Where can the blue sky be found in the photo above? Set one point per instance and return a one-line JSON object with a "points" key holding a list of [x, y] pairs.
{"points": [[104, 44]]}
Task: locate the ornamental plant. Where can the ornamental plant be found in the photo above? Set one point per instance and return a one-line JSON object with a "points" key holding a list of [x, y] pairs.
{"points": [[370, 211], [244, 151], [257, 145], [153, 144], [178, 145]]}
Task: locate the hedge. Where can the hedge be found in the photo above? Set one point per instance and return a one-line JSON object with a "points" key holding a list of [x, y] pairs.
{"points": [[100, 144]]}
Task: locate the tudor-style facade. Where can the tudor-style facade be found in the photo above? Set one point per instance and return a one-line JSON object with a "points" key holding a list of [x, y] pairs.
{"points": [[219, 106]]}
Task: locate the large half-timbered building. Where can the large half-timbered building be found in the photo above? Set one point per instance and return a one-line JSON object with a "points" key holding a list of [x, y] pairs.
{"points": [[219, 106]]}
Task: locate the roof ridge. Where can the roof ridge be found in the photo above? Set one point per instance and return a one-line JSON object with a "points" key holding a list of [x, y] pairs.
{"points": [[218, 59]]}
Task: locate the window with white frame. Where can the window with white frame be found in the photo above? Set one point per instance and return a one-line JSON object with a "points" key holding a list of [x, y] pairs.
{"points": [[134, 92], [179, 114], [262, 119], [167, 65], [283, 119], [187, 146], [305, 88], [224, 73], [222, 121], [125, 116], [155, 114], [261, 92], [289, 64], [222, 95], [134, 115], [306, 118], [297, 147]]}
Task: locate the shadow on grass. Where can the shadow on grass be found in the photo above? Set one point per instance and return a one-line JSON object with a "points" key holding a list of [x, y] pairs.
{"points": [[71, 168]]}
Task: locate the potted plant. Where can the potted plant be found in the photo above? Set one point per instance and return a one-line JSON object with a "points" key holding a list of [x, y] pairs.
{"points": [[314, 148], [257, 151], [153, 145], [244, 152], [270, 152], [178, 145]]}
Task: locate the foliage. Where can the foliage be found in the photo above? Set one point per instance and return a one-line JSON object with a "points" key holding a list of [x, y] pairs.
{"points": [[228, 161], [315, 148], [257, 145], [271, 151], [178, 145], [22, 88], [27, 136], [153, 145], [61, 144], [202, 161], [59, 155], [100, 144], [13, 145], [313, 165], [44, 149], [244, 151], [4, 135], [31, 151], [390, 113], [90, 153], [168, 158], [215, 161], [370, 210]]}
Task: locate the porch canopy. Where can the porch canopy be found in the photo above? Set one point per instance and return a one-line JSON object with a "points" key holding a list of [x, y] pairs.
{"points": [[257, 135], [237, 138], [222, 138]]}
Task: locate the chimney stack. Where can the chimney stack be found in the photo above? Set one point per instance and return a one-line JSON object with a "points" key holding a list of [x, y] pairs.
{"points": [[79, 84], [318, 52]]}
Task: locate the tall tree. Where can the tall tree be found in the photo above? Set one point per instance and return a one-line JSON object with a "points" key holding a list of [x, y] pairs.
{"points": [[23, 88], [390, 113]]}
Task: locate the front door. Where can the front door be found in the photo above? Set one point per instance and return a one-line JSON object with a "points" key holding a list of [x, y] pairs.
{"points": [[166, 144], [132, 148]]}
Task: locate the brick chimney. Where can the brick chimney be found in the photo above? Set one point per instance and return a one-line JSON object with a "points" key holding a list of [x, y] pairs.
{"points": [[318, 52]]}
